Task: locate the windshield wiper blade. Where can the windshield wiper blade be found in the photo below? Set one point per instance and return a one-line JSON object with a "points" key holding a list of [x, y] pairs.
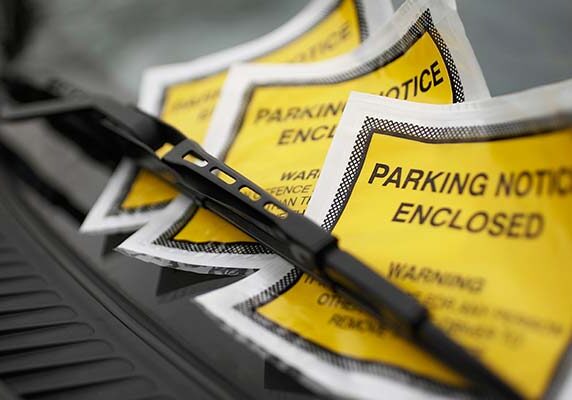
{"points": [[254, 211]]}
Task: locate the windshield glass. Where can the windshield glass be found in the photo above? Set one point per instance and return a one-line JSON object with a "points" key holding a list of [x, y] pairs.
{"points": [[106, 46]]}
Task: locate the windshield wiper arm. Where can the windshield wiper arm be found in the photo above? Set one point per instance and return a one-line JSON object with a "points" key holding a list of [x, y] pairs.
{"points": [[254, 211]]}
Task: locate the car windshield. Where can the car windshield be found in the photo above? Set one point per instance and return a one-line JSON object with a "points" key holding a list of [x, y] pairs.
{"points": [[105, 47]]}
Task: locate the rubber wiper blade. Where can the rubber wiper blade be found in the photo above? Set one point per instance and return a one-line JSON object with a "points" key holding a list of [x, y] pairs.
{"points": [[257, 213]]}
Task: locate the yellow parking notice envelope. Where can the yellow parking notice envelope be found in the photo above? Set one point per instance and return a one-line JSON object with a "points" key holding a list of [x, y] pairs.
{"points": [[469, 208], [275, 124], [185, 95]]}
